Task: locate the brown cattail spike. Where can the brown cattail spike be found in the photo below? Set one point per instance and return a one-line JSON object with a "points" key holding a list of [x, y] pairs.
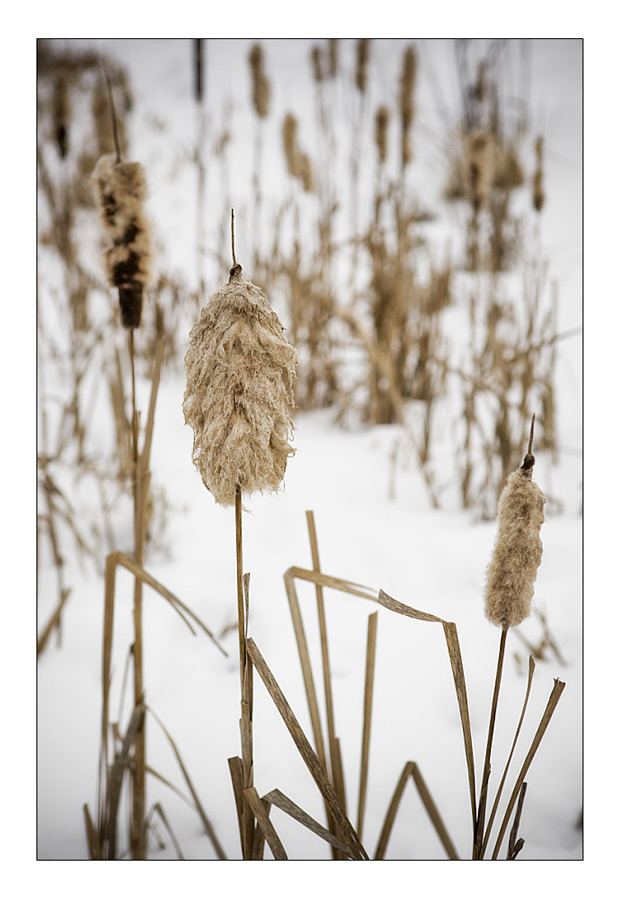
{"points": [[517, 553], [120, 192], [261, 87], [240, 372]]}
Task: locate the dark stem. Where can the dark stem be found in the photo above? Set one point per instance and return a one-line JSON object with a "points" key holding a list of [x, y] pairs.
{"points": [[483, 795]]}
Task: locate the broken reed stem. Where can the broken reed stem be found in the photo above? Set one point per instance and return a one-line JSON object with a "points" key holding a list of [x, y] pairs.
{"points": [[370, 663], [483, 794]]}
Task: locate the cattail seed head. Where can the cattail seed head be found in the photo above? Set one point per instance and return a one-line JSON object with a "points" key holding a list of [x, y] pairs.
{"points": [[363, 57], [240, 372], [407, 101], [317, 68], [380, 132], [120, 192], [517, 553], [261, 86]]}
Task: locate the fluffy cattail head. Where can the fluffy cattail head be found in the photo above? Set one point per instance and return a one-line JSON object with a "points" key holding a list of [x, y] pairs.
{"points": [[120, 191], [517, 553], [240, 372]]}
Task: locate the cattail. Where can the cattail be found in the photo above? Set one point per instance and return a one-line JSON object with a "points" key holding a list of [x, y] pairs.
{"points": [[517, 553], [380, 132], [480, 157], [261, 87], [316, 57], [289, 136], [361, 71], [407, 101], [298, 162], [240, 372], [539, 196], [121, 190]]}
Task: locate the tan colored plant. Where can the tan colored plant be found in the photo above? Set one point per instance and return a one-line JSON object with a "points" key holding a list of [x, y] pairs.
{"points": [[240, 384]]}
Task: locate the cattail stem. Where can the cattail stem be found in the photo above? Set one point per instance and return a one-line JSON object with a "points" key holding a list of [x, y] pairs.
{"points": [[238, 512], [138, 835], [483, 795]]}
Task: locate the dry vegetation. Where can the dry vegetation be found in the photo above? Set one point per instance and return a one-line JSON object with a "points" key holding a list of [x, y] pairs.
{"points": [[365, 301]]}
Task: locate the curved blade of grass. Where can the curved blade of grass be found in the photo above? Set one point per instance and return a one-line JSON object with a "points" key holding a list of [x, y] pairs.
{"points": [[457, 668], [412, 770], [201, 812]]}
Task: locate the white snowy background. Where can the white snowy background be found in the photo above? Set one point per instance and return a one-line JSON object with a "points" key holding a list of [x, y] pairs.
{"points": [[433, 560]]}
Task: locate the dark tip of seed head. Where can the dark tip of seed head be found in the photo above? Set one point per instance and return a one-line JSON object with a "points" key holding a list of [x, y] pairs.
{"points": [[236, 272], [527, 465]]}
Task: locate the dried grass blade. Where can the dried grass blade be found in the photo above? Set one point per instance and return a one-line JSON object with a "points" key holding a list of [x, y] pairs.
{"points": [[515, 845], [455, 657], [555, 695], [180, 607], [392, 810], [235, 766], [171, 786], [95, 851], [53, 621], [117, 773], [305, 750], [457, 667], [175, 842], [284, 803], [433, 812], [400, 608], [337, 774], [201, 812], [353, 589], [370, 663], [306, 666], [267, 828], [495, 804], [106, 675], [144, 459]]}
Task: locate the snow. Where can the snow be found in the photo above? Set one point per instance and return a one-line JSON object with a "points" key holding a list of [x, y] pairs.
{"points": [[431, 559]]}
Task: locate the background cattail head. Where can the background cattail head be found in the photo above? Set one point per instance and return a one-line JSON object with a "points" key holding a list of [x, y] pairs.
{"points": [[261, 86], [538, 177], [361, 70], [381, 123], [240, 371], [120, 192], [407, 100], [517, 553], [317, 67], [298, 163]]}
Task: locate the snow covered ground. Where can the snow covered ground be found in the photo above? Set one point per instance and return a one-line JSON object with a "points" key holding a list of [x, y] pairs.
{"points": [[431, 559]]}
